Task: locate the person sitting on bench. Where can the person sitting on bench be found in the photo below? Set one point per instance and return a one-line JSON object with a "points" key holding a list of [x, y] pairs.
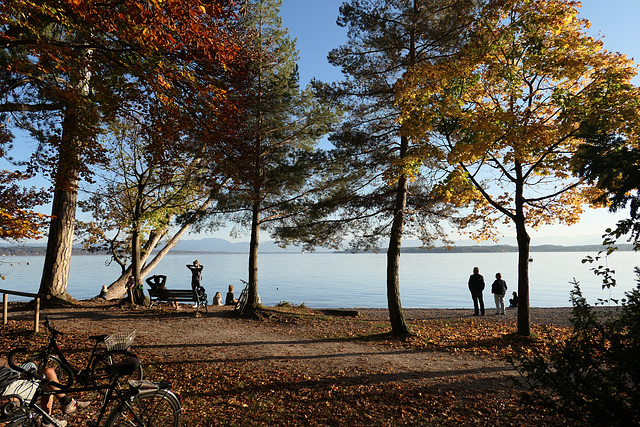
{"points": [[158, 282]]}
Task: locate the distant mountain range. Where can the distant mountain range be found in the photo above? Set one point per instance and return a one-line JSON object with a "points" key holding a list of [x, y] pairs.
{"points": [[216, 245]]}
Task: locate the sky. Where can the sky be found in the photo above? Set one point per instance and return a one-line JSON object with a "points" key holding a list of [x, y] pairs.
{"points": [[313, 24]]}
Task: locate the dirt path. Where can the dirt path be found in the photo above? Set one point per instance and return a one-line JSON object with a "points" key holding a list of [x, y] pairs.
{"points": [[262, 345]]}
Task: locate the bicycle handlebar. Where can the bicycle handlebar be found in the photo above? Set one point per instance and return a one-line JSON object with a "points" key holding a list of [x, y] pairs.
{"points": [[52, 329]]}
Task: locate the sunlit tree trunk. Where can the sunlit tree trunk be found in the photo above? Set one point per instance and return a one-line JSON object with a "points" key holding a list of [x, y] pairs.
{"points": [[55, 274], [253, 298], [136, 267], [117, 287]]}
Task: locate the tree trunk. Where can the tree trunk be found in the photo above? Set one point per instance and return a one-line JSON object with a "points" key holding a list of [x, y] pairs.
{"points": [[136, 267], [55, 273], [253, 301], [396, 315], [523, 239], [524, 316]]}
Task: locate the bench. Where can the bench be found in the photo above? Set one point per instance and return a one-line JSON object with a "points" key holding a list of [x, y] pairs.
{"points": [[179, 295]]}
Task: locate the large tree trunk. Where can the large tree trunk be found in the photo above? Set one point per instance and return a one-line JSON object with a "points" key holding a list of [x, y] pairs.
{"points": [[55, 274], [396, 315], [253, 301]]}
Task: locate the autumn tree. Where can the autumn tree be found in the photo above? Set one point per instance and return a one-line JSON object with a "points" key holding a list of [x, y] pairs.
{"points": [[68, 66], [18, 218], [267, 158], [511, 109], [379, 192], [139, 193]]}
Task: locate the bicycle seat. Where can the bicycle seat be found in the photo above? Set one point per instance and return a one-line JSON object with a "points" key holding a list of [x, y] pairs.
{"points": [[126, 367], [99, 338]]}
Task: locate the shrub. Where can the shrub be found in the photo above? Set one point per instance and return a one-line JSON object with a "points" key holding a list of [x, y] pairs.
{"points": [[592, 376]]}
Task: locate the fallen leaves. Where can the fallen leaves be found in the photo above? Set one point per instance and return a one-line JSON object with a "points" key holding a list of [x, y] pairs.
{"points": [[251, 391]]}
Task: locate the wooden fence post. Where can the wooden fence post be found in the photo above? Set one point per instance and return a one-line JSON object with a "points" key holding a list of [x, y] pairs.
{"points": [[36, 320], [5, 309]]}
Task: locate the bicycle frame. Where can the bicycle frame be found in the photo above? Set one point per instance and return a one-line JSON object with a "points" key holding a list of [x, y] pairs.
{"points": [[53, 351], [121, 396]]}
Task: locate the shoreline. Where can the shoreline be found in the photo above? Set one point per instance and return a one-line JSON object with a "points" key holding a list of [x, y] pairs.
{"points": [[556, 316]]}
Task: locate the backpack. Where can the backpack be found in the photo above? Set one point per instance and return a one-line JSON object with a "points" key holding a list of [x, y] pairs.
{"points": [[7, 376], [202, 295]]}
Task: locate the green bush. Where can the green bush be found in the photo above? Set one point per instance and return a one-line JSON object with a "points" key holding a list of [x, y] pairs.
{"points": [[593, 375]]}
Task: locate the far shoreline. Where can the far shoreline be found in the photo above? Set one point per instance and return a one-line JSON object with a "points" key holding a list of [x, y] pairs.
{"points": [[25, 250]]}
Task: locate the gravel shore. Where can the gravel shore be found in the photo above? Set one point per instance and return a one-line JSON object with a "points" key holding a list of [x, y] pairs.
{"points": [[557, 316]]}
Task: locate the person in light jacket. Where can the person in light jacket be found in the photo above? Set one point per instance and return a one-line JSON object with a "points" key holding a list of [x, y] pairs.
{"points": [[499, 290]]}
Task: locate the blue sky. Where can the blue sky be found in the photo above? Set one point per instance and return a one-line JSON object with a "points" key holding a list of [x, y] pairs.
{"points": [[313, 24]]}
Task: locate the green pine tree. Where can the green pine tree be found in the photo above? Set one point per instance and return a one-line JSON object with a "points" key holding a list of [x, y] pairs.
{"points": [[270, 160], [379, 191]]}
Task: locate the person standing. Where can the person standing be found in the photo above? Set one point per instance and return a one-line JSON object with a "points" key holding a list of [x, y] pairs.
{"points": [[499, 290], [476, 286], [196, 274]]}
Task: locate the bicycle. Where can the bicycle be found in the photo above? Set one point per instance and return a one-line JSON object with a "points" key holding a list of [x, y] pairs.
{"points": [[142, 404], [243, 298], [116, 348]]}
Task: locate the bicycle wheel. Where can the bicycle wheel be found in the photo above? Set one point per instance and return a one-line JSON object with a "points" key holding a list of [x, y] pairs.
{"points": [[150, 408], [24, 422], [63, 371], [100, 377]]}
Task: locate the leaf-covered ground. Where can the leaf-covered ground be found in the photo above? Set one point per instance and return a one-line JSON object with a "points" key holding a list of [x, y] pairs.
{"points": [[293, 366]]}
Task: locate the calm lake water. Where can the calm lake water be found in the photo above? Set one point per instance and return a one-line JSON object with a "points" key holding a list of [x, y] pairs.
{"points": [[329, 280]]}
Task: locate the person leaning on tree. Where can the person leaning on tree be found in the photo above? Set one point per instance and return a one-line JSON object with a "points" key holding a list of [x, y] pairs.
{"points": [[476, 286]]}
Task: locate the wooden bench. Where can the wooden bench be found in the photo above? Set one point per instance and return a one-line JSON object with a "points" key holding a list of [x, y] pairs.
{"points": [[178, 295]]}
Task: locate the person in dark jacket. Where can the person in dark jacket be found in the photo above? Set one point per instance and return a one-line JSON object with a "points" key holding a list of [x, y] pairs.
{"points": [[476, 286], [513, 302], [157, 281], [196, 274], [499, 289]]}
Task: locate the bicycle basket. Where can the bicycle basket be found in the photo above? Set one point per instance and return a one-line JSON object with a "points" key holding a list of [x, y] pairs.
{"points": [[120, 340]]}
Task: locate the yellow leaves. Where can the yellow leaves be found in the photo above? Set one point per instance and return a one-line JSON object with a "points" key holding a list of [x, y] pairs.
{"points": [[510, 106]]}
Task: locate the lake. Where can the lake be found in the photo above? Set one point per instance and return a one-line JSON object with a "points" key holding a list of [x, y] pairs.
{"points": [[331, 280]]}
